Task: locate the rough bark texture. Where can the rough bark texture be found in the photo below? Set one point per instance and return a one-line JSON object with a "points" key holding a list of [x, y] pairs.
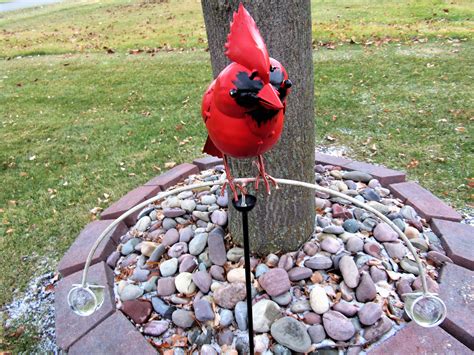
{"points": [[284, 220]]}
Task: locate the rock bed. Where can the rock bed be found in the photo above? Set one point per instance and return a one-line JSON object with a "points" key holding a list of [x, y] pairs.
{"points": [[180, 279]]}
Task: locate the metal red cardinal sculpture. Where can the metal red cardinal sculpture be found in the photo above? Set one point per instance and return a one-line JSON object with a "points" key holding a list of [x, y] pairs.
{"points": [[244, 107]]}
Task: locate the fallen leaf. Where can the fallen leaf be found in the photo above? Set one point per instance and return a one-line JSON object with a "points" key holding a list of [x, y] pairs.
{"points": [[170, 164]]}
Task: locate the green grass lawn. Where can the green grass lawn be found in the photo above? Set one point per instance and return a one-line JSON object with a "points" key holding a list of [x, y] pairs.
{"points": [[80, 127]]}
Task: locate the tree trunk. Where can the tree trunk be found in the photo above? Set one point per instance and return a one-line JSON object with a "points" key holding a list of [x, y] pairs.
{"points": [[285, 219]]}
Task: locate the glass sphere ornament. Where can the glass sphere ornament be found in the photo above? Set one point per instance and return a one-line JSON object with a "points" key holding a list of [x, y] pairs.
{"points": [[85, 299], [426, 309]]}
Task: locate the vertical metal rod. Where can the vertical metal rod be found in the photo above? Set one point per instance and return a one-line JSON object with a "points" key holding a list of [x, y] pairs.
{"points": [[248, 280]]}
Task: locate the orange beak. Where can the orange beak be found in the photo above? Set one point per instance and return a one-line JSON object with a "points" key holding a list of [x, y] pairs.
{"points": [[269, 98]]}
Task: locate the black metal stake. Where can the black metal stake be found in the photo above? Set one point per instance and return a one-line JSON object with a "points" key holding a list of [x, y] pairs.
{"points": [[244, 205]]}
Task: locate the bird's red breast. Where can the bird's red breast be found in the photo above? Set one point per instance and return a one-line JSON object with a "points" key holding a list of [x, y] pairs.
{"points": [[243, 109]]}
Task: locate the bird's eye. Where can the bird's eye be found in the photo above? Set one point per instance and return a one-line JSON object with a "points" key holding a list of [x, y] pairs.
{"points": [[233, 93], [272, 68], [287, 83]]}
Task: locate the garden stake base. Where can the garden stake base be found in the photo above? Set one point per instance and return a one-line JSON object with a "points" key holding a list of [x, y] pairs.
{"points": [[244, 205]]}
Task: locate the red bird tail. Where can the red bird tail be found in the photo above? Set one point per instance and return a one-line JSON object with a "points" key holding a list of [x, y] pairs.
{"points": [[211, 149], [245, 45]]}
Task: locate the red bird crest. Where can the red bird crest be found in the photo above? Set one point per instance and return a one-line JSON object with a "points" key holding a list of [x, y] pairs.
{"points": [[243, 109]]}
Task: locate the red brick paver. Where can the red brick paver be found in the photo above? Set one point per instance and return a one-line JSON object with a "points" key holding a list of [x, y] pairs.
{"points": [[458, 241], [75, 257], [69, 326], [129, 201], [173, 176], [457, 291], [207, 162], [327, 159], [424, 202], [115, 335], [414, 339]]}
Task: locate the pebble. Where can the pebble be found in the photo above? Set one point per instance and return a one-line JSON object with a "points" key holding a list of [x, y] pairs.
{"points": [[319, 262], [188, 205], [171, 237], [223, 201], [261, 343], [395, 250], [226, 317], [290, 333], [370, 194], [411, 232], [376, 331], [356, 176], [202, 280], [299, 273], [272, 260], [217, 272], [300, 306], [370, 313], [208, 199], [178, 249], [219, 217], [113, 258], [217, 253], [331, 245], [333, 229], [312, 318], [409, 266], [235, 254], [349, 271], [408, 212], [203, 310], [138, 311], [351, 225], [241, 315], [168, 223], [150, 285], [169, 267], [319, 300], [384, 233], [184, 283], [237, 275], [130, 292], [316, 333], [188, 263], [198, 244], [261, 269], [286, 262], [157, 253], [173, 212], [155, 327], [374, 249], [346, 308], [207, 349], [337, 326], [366, 290], [143, 224], [162, 308], [129, 246], [185, 234], [182, 318], [227, 296], [420, 244], [310, 248], [275, 281], [377, 274], [354, 244], [438, 258], [340, 212], [283, 299], [166, 286], [204, 216], [140, 275], [225, 337]]}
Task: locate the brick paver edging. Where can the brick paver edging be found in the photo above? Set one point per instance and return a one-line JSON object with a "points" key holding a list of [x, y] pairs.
{"points": [[109, 331]]}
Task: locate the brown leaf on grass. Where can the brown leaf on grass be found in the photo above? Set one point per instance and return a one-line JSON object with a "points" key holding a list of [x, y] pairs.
{"points": [[413, 164]]}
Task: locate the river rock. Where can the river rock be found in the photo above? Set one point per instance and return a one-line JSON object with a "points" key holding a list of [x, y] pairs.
{"points": [[188, 263], [183, 319], [226, 317], [188, 205], [227, 296], [241, 315], [184, 283], [217, 272], [318, 262], [286, 262], [331, 245], [319, 300], [202, 280], [143, 224], [409, 266], [203, 310], [178, 249], [138, 311], [166, 286], [310, 248], [234, 254], [217, 253], [299, 273], [395, 250], [237, 275], [275, 281], [349, 271], [171, 237], [290, 333], [198, 244], [219, 217], [162, 308], [370, 313], [130, 292], [316, 333], [357, 176], [283, 299], [376, 331], [366, 290], [351, 225], [346, 308], [155, 327], [337, 326], [384, 233], [354, 244], [169, 267], [157, 253]]}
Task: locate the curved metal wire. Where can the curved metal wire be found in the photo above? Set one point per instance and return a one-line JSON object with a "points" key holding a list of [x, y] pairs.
{"points": [[316, 187]]}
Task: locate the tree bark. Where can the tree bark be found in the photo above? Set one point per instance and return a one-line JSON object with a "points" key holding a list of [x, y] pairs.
{"points": [[285, 219]]}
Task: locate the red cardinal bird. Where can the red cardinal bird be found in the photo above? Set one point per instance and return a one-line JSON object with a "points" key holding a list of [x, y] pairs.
{"points": [[244, 107]]}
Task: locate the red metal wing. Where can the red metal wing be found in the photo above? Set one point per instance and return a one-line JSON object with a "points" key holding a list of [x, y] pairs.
{"points": [[245, 45]]}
